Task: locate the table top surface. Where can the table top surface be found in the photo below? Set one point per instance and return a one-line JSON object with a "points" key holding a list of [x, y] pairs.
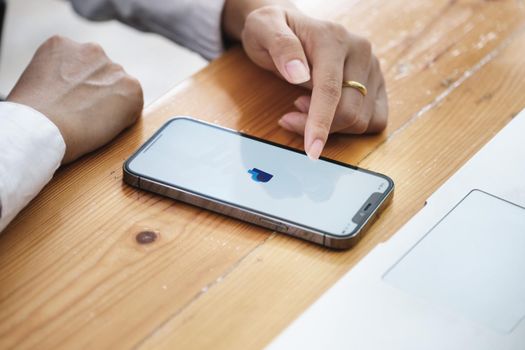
{"points": [[72, 273]]}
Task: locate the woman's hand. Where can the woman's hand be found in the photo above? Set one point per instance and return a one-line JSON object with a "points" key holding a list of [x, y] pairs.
{"points": [[317, 55]]}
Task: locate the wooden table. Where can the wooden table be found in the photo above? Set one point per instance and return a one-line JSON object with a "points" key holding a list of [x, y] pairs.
{"points": [[72, 273]]}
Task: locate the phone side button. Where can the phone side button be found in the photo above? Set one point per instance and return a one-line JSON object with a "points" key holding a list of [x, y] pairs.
{"points": [[281, 228], [272, 225]]}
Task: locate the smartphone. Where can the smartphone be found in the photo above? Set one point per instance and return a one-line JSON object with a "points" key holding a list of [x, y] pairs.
{"points": [[325, 201]]}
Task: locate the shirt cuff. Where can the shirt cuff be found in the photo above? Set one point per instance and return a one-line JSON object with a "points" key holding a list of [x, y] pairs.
{"points": [[31, 149]]}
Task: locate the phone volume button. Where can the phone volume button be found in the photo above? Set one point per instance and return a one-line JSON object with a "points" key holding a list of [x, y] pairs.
{"points": [[281, 228], [272, 225]]}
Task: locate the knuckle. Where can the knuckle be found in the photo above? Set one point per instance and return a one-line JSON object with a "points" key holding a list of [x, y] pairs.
{"points": [[331, 88], [259, 19], [117, 67], [376, 63], [129, 82], [250, 21], [337, 32], [380, 122], [351, 117], [261, 15], [340, 33], [53, 42], [133, 85], [249, 30], [56, 40], [360, 127], [364, 47], [93, 48], [376, 67], [267, 11], [283, 41], [134, 95]]}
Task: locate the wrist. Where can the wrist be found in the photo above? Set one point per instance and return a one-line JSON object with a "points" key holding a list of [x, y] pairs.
{"points": [[235, 13]]}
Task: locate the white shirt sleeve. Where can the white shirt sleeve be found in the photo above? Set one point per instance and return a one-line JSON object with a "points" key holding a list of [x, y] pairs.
{"points": [[31, 149], [195, 24]]}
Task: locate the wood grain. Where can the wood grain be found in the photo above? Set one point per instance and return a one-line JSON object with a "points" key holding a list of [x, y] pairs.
{"points": [[72, 273]]}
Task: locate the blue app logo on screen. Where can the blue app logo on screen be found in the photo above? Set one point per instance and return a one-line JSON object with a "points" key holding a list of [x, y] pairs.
{"points": [[259, 175]]}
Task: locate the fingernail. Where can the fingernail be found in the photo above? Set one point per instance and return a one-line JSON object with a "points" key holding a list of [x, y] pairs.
{"points": [[297, 72], [283, 123], [315, 149], [300, 105]]}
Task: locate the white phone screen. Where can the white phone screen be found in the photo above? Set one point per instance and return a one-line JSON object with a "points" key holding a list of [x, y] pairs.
{"points": [[239, 170]]}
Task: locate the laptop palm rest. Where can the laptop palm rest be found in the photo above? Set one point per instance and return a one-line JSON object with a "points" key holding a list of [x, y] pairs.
{"points": [[472, 262]]}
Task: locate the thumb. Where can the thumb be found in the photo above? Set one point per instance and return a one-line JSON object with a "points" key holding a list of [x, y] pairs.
{"points": [[286, 51]]}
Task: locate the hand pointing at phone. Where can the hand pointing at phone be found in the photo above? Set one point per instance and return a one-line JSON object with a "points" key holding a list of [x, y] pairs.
{"points": [[347, 87]]}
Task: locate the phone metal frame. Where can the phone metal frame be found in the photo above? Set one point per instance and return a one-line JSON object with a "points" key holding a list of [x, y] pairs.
{"points": [[251, 216]]}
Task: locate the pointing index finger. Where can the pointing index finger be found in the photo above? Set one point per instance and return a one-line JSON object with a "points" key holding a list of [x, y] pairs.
{"points": [[326, 92]]}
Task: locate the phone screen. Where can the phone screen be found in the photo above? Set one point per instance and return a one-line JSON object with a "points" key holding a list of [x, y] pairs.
{"points": [[237, 169]]}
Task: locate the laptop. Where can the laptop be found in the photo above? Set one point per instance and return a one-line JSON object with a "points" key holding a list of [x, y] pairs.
{"points": [[452, 278]]}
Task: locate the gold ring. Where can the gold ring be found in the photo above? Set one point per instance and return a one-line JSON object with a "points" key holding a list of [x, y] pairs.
{"points": [[355, 85]]}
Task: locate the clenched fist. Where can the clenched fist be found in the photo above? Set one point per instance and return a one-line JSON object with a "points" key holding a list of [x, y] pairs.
{"points": [[87, 96]]}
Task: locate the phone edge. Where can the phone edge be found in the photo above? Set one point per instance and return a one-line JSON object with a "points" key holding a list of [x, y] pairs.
{"points": [[256, 218], [222, 208]]}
